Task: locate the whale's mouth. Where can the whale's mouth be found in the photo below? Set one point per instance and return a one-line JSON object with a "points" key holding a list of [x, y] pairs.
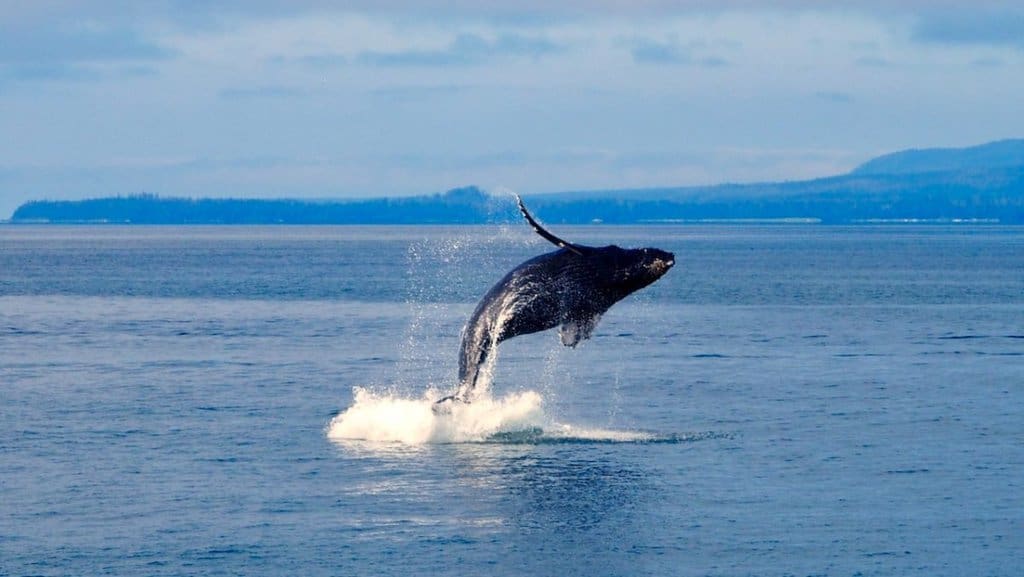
{"points": [[661, 266]]}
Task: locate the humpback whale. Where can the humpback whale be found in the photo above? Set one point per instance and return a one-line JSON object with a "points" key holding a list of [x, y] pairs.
{"points": [[570, 287]]}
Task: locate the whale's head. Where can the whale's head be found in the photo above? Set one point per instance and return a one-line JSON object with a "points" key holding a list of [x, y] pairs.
{"points": [[634, 268], [656, 261]]}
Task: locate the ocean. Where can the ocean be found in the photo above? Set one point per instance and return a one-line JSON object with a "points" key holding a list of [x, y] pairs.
{"points": [[788, 400]]}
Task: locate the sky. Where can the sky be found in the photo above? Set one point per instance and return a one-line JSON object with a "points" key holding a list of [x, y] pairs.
{"points": [[318, 99]]}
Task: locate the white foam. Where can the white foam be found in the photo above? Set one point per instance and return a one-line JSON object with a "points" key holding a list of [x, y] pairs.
{"points": [[570, 432], [515, 418], [387, 417]]}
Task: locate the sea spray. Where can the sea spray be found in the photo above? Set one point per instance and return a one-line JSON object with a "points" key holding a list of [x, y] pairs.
{"points": [[391, 418], [515, 418]]}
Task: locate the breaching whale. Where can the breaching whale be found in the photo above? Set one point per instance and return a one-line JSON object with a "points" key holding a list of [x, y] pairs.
{"points": [[570, 287]]}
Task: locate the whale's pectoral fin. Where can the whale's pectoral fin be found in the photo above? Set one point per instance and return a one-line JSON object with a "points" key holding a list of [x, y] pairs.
{"points": [[575, 330], [543, 232]]}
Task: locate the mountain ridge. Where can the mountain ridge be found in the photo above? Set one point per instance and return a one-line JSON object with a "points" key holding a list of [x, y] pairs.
{"points": [[997, 154]]}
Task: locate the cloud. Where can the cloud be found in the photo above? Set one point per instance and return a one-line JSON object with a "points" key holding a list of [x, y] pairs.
{"points": [[465, 50], [996, 27], [646, 51], [255, 92], [873, 62], [55, 71], [833, 96], [988, 63], [418, 93], [64, 72], [325, 60], [81, 52], [522, 11], [76, 44]]}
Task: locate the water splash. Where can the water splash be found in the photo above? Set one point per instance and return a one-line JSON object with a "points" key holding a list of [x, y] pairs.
{"points": [[388, 417], [516, 418], [483, 342]]}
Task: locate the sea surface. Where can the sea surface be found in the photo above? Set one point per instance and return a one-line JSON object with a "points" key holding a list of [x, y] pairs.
{"points": [[788, 400]]}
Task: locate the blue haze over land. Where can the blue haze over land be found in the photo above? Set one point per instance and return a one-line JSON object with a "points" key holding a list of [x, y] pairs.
{"points": [[981, 183]]}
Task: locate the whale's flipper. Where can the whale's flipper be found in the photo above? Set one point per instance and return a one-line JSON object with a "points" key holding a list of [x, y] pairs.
{"points": [[575, 330], [537, 228]]}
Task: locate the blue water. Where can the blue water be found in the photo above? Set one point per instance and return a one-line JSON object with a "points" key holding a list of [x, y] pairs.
{"points": [[789, 400]]}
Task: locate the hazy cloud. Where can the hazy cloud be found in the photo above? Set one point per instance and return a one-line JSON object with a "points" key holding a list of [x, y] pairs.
{"points": [[325, 60], [418, 93], [873, 62], [77, 52], [254, 92], [988, 63], [76, 44], [69, 72], [647, 51], [465, 50], [533, 12], [972, 26], [833, 96], [47, 71]]}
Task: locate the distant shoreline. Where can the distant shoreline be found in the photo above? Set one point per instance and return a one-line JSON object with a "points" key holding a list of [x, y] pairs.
{"points": [[977, 185]]}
